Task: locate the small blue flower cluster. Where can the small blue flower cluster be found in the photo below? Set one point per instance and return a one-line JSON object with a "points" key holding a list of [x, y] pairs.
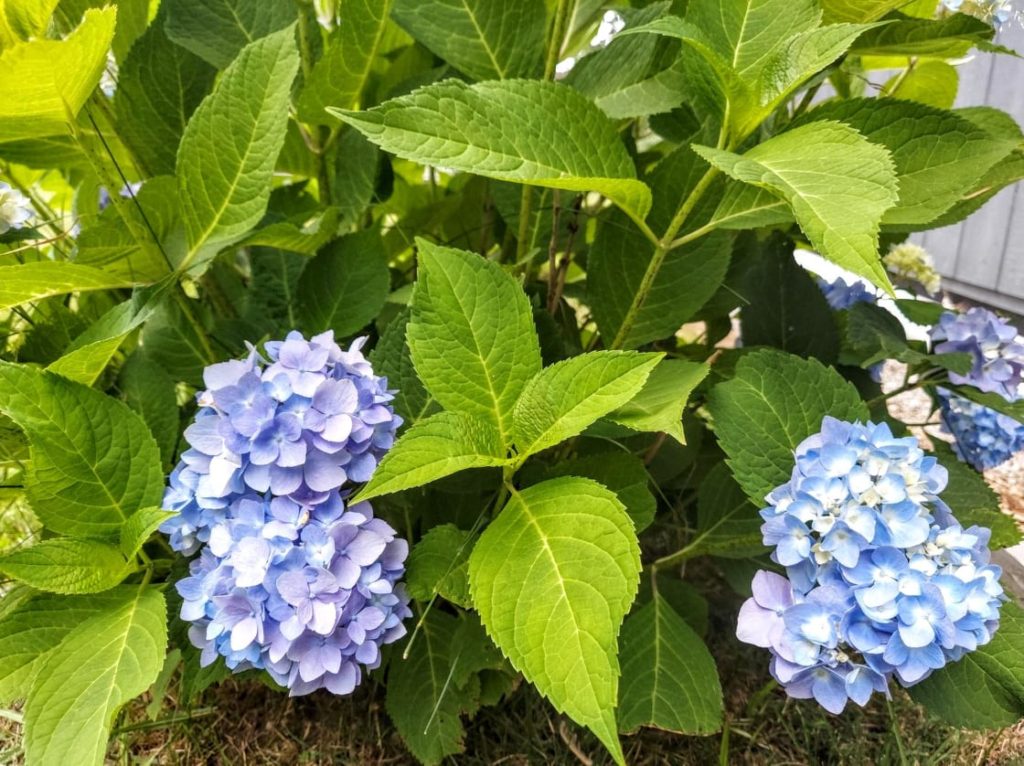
{"points": [[288, 578], [841, 296], [984, 438], [882, 580], [993, 344]]}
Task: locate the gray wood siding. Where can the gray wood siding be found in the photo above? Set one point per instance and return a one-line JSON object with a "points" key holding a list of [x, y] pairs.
{"points": [[983, 257]]}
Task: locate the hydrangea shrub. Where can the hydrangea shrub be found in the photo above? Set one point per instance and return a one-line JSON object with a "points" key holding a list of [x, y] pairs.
{"points": [[389, 349]]}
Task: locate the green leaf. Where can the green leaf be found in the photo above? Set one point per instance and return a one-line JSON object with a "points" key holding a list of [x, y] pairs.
{"points": [[1004, 173], [775, 401], [930, 82], [46, 82], [159, 86], [439, 564], [224, 175], [303, 236], [217, 30], [836, 11], [685, 600], [756, 52], [439, 446], [91, 351], [33, 623], [24, 19], [613, 74], [63, 565], [985, 688], [622, 473], [471, 335], [138, 528], [619, 259], [485, 39], [728, 524], [149, 391], [174, 344], [391, 358], [552, 578], [428, 692], [36, 280], [784, 306], [800, 58], [937, 153], [669, 677], [948, 38], [527, 131], [562, 400], [661, 92], [658, 406], [97, 668], [746, 33], [973, 501], [345, 285], [875, 335], [93, 461], [341, 74], [84, 364], [921, 312], [356, 177], [109, 245], [838, 183], [749, 207]]}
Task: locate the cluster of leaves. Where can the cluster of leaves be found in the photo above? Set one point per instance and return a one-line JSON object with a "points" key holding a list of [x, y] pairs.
{"points": [[524, 253]]}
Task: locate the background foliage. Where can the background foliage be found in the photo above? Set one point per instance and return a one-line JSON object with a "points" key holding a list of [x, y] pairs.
{"points": [[567, 446]]}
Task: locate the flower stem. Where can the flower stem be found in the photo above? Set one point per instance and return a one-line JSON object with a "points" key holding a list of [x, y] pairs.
{"points": [[665, 244]]}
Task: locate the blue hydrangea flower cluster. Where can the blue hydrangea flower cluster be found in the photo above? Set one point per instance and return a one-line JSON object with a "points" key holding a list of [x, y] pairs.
{"points": [[984, 438], [881, 581], [992, 342], [289, 579], [841, 296]]}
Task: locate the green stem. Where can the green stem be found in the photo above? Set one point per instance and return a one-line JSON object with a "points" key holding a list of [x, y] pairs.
{"points": [[665, 244], [695, 234], [323, 135], [896, 732], [200, 331], [555, 41], [562, 15], [673, 559], [911, 66], [523, 232], [922, 380]]}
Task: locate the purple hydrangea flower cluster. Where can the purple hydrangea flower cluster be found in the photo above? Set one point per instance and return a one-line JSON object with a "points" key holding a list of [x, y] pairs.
{"points": [[984, 438], [881, 579], [841, 296], [994, 345], [288, 578]]}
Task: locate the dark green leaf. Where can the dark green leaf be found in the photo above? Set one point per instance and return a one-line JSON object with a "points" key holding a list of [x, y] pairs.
{"points": [[217, 30], [775, 402], [345, 285]]}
